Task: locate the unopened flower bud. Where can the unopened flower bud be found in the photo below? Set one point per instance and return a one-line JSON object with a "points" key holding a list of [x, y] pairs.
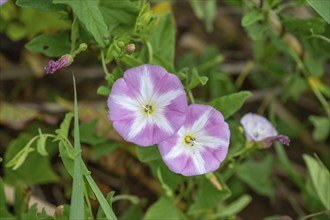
{"points": [[121, 44], [293, 44], [130, 48], [83, 47], [53, 66], [274, 22]]}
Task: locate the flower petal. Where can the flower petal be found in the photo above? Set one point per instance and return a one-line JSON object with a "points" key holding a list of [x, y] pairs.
{"points": [[257, 127], [163, 100], [200, 123], [160, 120], [141, 86], [208, 149]]}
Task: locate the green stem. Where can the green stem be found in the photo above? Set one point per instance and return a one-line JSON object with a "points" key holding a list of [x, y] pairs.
{"points": [[150, 52], [321, 37], [74, 30], [242, 154], [88, 202], [191, 97], [322, 100], [327, 211], [103, 202], [132, 199], [105, 69]]}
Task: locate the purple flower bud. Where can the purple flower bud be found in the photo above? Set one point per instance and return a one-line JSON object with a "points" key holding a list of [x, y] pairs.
{"points": [[259, 130], [64, 61], [130, 48]]}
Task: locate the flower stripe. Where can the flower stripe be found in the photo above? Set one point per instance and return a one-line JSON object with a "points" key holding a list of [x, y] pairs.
{"points": [[194, 150]]}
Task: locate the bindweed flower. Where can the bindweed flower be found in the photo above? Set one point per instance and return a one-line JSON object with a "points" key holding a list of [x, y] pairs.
{"points": [[147, 105], [64, 61], [259, 130], [200, 145]]}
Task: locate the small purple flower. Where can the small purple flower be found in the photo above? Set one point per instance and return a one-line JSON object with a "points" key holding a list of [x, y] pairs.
{"points": [[3, 2], [64, 61], [259, 130], [200, 145], [147, 105]]}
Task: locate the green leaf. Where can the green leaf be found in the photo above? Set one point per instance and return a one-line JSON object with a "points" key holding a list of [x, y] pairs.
{"points": [[103, 149], [166, 177], [28, 26], [322, 8], [321, 127], [31, 214], [320, 178], [103, 90], [89, 14], [305, 27], [206, 11], [100, 212], [63, 131], [41, 144], [208, 195], [22, 197], [287, 166], [235, 207], [21, 156], [230, 104], [195, 80], [66, 159], [147, 154], [4, 213], [256, 174], [164, 208], [45, 5], [50, 45], [134, 212], [119, 16], [77, 197], [295, 87], [251, 18], [163, 42], [40, 165], [257, 31], [131, 61], [88, 133], [103, 202]]}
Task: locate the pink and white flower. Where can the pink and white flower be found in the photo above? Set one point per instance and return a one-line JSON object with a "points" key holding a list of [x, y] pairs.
{"points": [[259, 130], [147, 105], [200, 145]]}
